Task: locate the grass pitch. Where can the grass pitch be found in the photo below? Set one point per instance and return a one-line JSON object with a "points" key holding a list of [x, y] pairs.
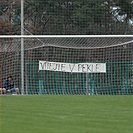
{"points": [[66, 114]]}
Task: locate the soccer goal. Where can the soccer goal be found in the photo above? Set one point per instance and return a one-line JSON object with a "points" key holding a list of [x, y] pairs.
{"points": [[69, 65]]}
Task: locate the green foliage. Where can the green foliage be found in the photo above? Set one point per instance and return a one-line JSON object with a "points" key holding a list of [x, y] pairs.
{"points": [[70, 16], [126, 7], [74, 17]]}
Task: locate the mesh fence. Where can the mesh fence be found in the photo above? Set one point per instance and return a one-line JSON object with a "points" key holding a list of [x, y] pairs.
{"points": [[116, 52], [67, 17]]}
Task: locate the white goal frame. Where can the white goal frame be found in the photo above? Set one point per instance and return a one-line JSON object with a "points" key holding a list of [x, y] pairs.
{"points": [[22, 37], [63, 36]]}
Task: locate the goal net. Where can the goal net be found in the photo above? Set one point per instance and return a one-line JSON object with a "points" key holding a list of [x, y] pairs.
{"points": [[75, 65]]}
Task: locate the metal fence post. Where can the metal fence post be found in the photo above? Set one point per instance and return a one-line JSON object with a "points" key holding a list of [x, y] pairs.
{"points": [[22, 47]]}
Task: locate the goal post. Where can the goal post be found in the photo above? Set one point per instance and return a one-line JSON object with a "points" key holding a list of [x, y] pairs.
{"points": [[69, 65]]}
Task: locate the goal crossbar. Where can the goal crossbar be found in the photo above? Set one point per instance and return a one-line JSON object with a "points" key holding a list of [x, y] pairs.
{"points": [[63, 36]]}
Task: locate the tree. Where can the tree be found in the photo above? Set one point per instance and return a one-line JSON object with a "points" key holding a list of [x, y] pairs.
{"points": [[71, 16], [79, 17], [122, 11]]}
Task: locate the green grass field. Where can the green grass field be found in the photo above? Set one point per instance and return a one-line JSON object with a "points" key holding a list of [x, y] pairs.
{"points": [[66, 114]]}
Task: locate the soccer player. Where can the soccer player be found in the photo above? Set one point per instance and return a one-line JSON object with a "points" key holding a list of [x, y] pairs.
{"points": [[9, 85]]}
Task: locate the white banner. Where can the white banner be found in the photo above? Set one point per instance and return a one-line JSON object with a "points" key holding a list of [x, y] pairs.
{"points": [[73, 67]]}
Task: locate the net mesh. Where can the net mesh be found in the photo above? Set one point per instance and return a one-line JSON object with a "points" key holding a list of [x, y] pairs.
{"points": [[66, 17], [116, 52], [63, 17]]}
